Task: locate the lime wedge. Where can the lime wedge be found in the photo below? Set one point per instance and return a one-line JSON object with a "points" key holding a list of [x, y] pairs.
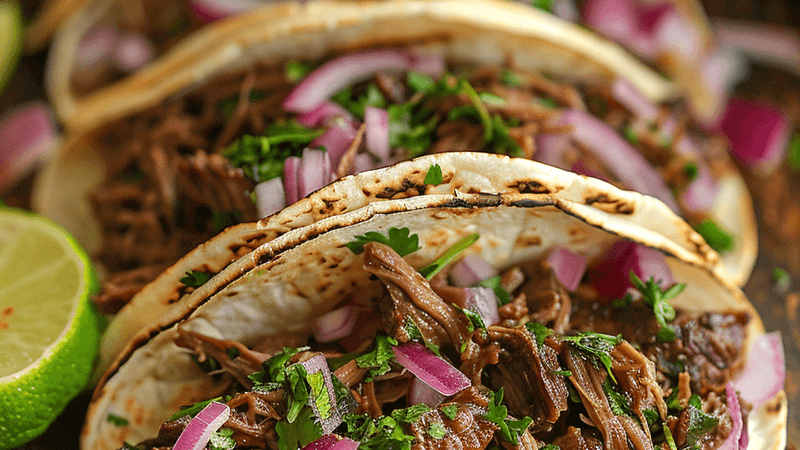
{"points": [[10, 39], [49, 329]]}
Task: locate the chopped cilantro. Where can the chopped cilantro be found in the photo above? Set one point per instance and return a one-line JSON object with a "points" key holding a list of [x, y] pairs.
{"points": [[377, 361], [451, 411], [539, 331], [233, 352], [595, 347], [410, 128], [781, 278], [419, 82], [719, 239], [399, 239], [384, 433], [548, 102], [510, 78], [651, 416], [695, 401], [192, 410], [503, 142], [492, 99], [195, 278], [208, 365], [691, 170], [222, 440], [319, 395], [619, 404], [475, 321], [261, 157], [117, 421], [503, 297], [372, 97], [299, 433], [275, 366], [410, 414], [700, 424], [630, 135], [656, 298], [498, 413], [669, 438], [545, 5], [412, 330], [793, 157], [449, 255], [296, 70], [224, 219], [437, 430], [434, 175], [483, 114]]}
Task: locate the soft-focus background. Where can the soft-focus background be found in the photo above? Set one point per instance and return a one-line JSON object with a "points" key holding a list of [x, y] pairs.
{"points": [[777, 200]]}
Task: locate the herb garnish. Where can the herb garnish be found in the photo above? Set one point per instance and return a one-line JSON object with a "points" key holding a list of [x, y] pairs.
{"points": [[299, 433], [451, 411], [222, 439], [412, 330], [193, 409], [691, 170], [195, 278], [670, 439], [386, 432], [510, 78], [781, 279], [595, 347], [117, 421], [503, 297], [474, 320], [410, 128], [261, 157], [448, 256], [377, 361], [656, 298], [545, 5], [233, 352], [437, 430], [434, 176], [717, 238], [399, 239], [357, 107], [539, 331], [793, 157], [296, 70], [498, 413], [617, 401]]}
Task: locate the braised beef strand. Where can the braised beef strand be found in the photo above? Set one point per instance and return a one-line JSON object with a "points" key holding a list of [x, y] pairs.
{"points": [[467, 431]]}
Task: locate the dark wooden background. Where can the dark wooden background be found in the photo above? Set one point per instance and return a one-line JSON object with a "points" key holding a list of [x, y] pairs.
{"points": [[777, 205]]}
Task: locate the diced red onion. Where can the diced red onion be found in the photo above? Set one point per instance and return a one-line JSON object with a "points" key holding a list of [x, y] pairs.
{"points": [[198, 432], [567, 10], [132, 51], [270, 197], [612, 276], [732, 442], [483, 301], [431, 369], [377, 134], [211, 10], [765, 372], [319, 364], [631, 98], [649, 14], [471, 270], [325, 111], [551, 149], [336, 140], [96, 46], [432, 65], [701, 194], [362, 163], [332, 442], [618, 156], [344, 71], [722, 70], [421, 392], [291, 172], [616, 19], [766, 43], [676, 34], [335, 324], [758, 132], [568, 267], [314, 171], [29, 133]]}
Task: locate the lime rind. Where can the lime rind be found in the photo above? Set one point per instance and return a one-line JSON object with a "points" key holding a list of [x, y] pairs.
{"points": [[32, 398], [10, 39]]}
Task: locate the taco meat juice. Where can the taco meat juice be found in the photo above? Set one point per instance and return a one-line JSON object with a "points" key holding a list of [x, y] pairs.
{"points": [[183, 171], [572, 369]]}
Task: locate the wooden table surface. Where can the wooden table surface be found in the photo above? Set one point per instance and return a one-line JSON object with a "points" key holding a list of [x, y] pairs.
{"points": [[777, 200]]}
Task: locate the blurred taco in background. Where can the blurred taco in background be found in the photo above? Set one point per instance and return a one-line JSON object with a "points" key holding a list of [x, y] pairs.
{"points": [[231, 128], [517, 319]]}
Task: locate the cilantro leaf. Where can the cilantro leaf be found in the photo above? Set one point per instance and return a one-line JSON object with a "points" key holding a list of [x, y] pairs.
{"points": [[656, 298], [503, 297], [195, 278], [451, 411], [539, 331], [434, 175], [700, 424], [193, 409], [619, 404], [299, 433], [475, 321], [412, 330], [372, 97], [117, 421], [781, 278], [510, 78], [595, 347], [498, 413], [377, 361], [483, 114], [793, 156], [691, 170], [545, 5], [548, 102], [222, 440], [410, 128], [296, 70], [437, 430], [224, 219], [410, 414], [384, 433], [233, 352], [319, 395], [419, 82], [449, 255], [717, 238], [399, 239], [261, 157]]}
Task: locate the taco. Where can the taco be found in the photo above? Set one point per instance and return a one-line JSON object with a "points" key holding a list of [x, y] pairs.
{"points": [[495, 77], [467, 320]]}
